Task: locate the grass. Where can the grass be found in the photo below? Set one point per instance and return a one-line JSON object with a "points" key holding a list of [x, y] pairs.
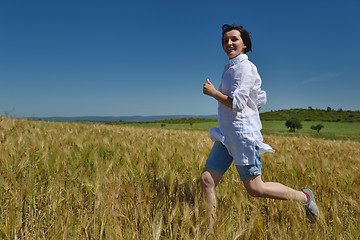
{"points": [[92, 181], [331, 130]]}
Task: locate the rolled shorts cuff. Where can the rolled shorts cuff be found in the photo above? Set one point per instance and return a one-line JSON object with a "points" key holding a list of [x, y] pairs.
{"points": [[248, 171]]}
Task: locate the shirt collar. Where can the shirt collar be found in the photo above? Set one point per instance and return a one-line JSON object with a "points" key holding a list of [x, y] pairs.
{"points": [[238, 59]]}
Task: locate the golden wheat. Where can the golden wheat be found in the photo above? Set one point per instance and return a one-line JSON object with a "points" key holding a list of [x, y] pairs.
{"points": [[91, 181]]}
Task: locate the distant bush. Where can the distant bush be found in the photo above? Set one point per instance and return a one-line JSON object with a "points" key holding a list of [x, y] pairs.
{"points": [[293, 124], [317, 127]]}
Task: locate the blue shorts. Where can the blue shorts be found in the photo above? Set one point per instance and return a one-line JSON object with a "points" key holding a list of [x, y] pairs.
{"points": [[220, 160]]}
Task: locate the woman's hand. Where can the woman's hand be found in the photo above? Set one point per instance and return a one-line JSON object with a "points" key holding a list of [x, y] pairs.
{"points": [[209, 89]]}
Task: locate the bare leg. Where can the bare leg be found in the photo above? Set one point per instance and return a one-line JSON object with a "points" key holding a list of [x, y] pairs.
{"points": [[257, 188], [209, 180]]}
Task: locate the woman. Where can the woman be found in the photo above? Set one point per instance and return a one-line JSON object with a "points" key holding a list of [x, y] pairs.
{"points": [[238, 138]]}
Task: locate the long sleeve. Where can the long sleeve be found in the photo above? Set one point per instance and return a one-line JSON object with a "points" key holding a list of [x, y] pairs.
{"points": [[261, 101], [244, 82]]}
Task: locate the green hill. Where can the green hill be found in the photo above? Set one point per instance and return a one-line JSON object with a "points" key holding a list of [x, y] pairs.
{"points": [[310, 114]]}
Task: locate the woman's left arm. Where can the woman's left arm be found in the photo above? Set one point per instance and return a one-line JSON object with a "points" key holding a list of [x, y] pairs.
{"points": [[209, 89], [245, 78]]}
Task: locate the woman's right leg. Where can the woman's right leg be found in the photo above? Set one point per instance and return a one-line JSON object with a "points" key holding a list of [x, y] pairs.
{"points": [[209, 179]]}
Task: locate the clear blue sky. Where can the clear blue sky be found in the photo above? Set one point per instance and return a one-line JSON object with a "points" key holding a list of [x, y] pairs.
{"points": [[122, 58]]}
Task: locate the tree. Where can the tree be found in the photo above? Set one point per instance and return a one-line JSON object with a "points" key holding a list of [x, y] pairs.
{"points": [[317, 127], [293, 124]]}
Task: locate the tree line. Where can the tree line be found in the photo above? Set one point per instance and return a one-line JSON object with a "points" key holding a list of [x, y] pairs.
{"points": [[310, 114]]}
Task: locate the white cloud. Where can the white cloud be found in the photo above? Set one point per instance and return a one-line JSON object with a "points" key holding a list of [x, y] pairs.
{"points": [[321, 77]]}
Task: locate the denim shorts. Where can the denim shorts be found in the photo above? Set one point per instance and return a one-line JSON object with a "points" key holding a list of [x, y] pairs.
{"points": [[220, 160]]}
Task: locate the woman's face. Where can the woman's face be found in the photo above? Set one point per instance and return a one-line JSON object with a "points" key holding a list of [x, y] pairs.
{"points": [[233, 44]]}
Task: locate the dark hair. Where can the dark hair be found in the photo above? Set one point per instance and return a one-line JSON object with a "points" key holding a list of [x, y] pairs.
{"points": [[245, 35]]}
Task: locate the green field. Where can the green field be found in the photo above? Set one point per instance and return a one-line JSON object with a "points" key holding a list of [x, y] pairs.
{"points": [[61, 180], [341, 128], [331, 130], [203, 126]]}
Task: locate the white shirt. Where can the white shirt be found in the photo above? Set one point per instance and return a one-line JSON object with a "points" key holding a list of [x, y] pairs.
{"points": [[239, 126]]}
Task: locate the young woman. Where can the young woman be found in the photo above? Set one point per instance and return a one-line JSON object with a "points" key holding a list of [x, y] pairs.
{"points": [[238, 138]]}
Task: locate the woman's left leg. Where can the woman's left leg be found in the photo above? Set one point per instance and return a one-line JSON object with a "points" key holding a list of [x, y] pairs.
{"points": [[257, 188]]}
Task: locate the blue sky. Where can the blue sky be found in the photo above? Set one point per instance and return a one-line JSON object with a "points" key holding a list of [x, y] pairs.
{"points": [[123, 58]]}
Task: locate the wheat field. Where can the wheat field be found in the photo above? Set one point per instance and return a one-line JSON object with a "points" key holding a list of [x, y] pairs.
{"points": [[92, 181]]}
